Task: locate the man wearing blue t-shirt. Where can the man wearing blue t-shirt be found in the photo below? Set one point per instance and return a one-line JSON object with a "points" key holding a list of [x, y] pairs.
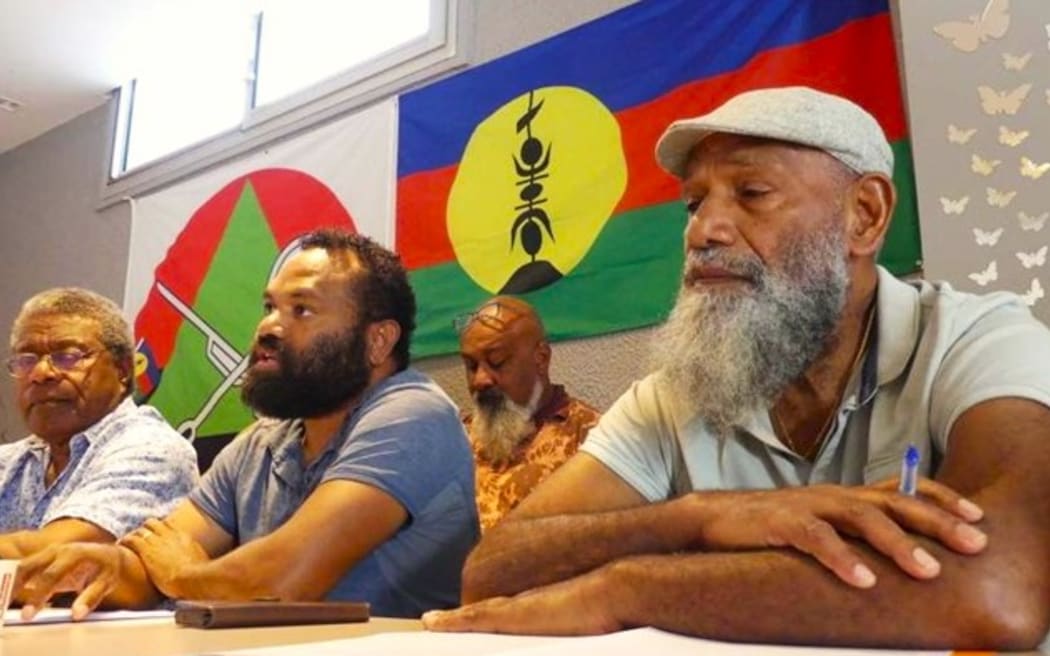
{"points": [[358, 484]]}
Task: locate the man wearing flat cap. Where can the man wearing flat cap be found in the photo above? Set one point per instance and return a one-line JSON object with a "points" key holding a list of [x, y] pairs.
{"points": [[748, 488]]}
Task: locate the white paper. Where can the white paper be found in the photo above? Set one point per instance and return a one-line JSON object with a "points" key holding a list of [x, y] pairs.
{"points": [[13, 617], [624, 643]]}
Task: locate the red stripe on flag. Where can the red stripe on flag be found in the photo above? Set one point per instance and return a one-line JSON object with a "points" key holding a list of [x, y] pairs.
{"points": [[295, 202], [422, 237], [878, 91]]}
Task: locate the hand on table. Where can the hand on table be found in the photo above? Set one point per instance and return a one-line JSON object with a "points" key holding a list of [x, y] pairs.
{"points": [[815, 519], [572, 607], [166, 553], [91, 569]]}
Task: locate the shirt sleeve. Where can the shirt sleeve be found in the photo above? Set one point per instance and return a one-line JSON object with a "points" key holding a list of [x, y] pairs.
{"points": [[1004, 353], [411, 445], [141, 473], [216, 496], [636, 438]]}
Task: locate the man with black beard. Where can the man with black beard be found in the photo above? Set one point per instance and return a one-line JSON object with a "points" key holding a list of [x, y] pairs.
{"points": [[746, 489], [357, 485], [522, 427]]}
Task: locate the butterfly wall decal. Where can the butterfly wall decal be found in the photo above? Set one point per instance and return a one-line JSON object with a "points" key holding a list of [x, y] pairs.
{"points": [[1015, 62], [969, 34], [998, 198], [1029, 260], [958, 135], [1034, 293], [982, 166], [987, 238], [954, 206], [1010, 138], [1002, 102], [1030, 169], [989, 274], [1032, 223]]}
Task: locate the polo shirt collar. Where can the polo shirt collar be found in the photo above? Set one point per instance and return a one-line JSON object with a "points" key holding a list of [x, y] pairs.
{"points": [[898, 326]]}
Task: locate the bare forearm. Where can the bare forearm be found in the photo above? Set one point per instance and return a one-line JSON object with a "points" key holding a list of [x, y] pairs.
{"points": [[783, 596], [518, 555], [133, 589]]}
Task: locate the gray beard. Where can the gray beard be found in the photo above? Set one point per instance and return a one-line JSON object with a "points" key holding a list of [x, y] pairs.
{"points": [[499, 429], [728, 355]]}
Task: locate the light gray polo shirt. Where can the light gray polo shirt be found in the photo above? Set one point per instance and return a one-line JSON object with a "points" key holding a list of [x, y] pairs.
{"points": [[936, 352]]}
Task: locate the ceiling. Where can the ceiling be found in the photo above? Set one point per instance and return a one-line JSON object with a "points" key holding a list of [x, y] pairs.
{"points": [[61, 58]]}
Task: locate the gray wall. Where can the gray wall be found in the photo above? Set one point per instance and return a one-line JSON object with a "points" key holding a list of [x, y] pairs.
{"points": [[52, 235], [942, 88]]}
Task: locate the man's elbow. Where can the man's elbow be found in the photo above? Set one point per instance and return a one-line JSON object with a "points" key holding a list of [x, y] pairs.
{"points": [[1008, 615]]}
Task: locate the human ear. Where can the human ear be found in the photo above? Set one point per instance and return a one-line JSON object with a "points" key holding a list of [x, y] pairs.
{"points": [[870, 202]]}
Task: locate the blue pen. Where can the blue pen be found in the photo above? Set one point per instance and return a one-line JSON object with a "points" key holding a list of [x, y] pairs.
{"points": [[910, 471]]}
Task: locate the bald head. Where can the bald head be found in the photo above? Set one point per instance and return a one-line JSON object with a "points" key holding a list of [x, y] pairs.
{"points": [[504, 347]]}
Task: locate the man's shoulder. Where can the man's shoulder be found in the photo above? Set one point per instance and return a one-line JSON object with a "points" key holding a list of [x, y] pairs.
{"points": [[409, 394], [141, 427]]}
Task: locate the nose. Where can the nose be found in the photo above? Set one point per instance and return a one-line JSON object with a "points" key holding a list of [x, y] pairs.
{"points": [[711, 223], [270, 327], [42, 371], [481, 379]]}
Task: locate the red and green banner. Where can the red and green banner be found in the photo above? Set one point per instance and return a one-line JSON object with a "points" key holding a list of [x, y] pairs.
{"points": [[203, 251], [534, 174]]}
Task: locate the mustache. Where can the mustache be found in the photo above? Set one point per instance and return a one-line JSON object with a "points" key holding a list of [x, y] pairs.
{"points": [[489, 398], [749, 267]]}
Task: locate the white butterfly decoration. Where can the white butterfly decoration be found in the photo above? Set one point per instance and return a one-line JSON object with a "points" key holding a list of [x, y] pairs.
{"points": [[1002, 102], [1015, 62], [951, 206], [998, 198], [990, 274], [1029, 260], [987, 238], [1032, 223], [983, 167], [967, 35], [1030, 169], [1034, 293], [959, 135], [1010, 138]]}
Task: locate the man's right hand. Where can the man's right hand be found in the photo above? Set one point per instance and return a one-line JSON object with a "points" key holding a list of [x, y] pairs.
{"points": [[816, 519], [92, 570]]}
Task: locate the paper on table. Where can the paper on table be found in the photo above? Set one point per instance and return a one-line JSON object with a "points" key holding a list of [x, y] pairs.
{"points": [[13, 617], [624, 643]]}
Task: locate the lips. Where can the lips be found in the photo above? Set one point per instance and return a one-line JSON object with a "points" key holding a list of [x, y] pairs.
{"points": [[710, 275], [264, 360]]}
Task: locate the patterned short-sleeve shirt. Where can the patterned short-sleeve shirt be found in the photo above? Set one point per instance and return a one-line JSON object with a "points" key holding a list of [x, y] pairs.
{"points": [[562, 428], [129, 466]]}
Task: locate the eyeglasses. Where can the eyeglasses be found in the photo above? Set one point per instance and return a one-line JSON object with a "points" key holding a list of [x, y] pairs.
{"points": [[21, 365], [491, 315]]}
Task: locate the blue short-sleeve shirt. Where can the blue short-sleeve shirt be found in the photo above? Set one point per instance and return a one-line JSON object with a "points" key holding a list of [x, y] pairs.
{"points": [[405, 438], [129, 466]]}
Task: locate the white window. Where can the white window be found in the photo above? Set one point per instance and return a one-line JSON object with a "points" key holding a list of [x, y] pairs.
{"points": [[247, 75]]}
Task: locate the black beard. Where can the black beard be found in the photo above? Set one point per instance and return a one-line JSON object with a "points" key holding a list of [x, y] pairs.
{"points": [[326, 375]]}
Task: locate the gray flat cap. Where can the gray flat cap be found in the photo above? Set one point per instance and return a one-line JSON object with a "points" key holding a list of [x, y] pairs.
{"points": [[799, 115]]}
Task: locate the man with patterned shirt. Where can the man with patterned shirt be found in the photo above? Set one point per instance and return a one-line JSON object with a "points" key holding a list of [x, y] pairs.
{"points": [[523, 428], [96, 466]]}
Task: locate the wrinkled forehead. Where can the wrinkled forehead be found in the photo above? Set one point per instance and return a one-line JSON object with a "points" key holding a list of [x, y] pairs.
{"points": [[54, 329], [315, 268]]}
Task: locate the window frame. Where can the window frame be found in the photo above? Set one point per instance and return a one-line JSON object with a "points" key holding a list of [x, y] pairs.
{"points": [[446, 47]]}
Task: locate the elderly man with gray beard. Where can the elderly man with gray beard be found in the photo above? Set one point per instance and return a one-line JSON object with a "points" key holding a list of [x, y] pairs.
{"points": [[746, 489], [522, 427]]}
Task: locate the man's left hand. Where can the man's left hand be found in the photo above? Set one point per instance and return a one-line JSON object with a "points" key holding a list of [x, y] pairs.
{"points": [[578, 606], [167, 554]]}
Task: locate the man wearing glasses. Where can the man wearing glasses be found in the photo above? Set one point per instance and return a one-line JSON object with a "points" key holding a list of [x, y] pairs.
{"points": [[96, 466], [522, 427]]}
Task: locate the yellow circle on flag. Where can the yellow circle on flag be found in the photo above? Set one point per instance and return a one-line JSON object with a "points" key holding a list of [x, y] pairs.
{"points": [[538, 180]]}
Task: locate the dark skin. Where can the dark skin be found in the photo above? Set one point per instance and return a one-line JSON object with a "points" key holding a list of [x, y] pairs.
{"points": [[510, 353], [187, 555], [56, 405], [586, 554]]}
